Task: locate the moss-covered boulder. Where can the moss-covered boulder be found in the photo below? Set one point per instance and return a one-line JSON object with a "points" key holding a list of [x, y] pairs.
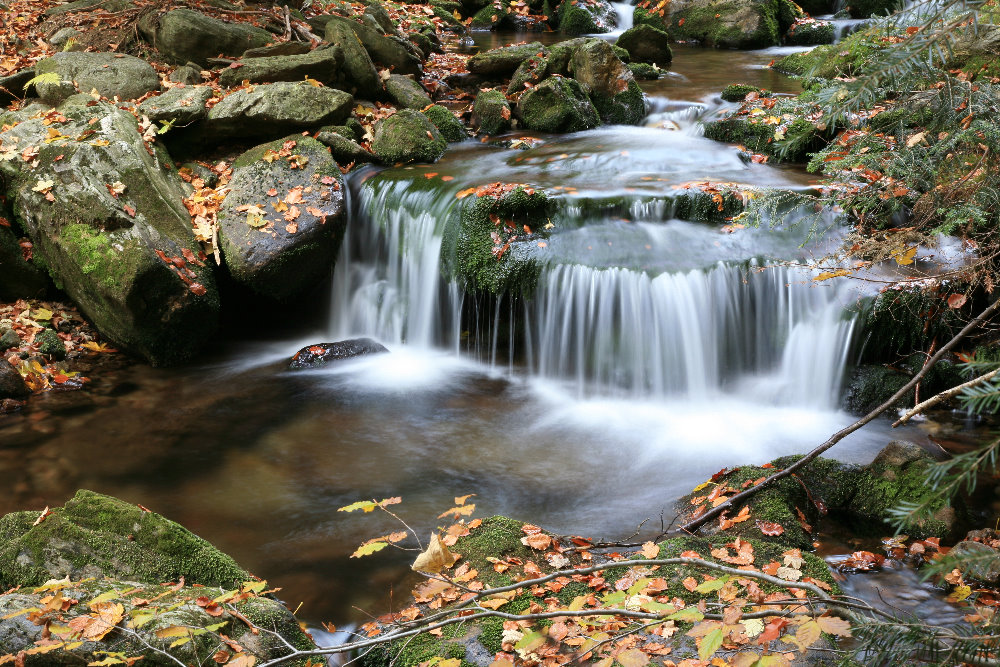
{"points": [[855, 55], [491, 112], [645, 16], [583, 18], [276, 109], [609, 82], [408, 136], [482, 258], [281, 244], [111, 75], [343, 149], [389, 51], [94, 535], [156, 615], [125, 255], [740, 24], [807, 32], [50, 344], [450, 127], [529, 73], [504, 60], [557, 105], [178, 106], [184, 35], [321, 64], [407, 93], [359, 74], [871, 385], [646, 44], [795, 136], [737, 92]]}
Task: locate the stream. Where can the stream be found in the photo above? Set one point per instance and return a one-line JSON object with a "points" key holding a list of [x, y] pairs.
{"points": [[654, 352]]}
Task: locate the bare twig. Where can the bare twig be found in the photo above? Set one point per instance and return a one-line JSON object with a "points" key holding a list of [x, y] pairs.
{"points": [[944, 396], [693, 525]]}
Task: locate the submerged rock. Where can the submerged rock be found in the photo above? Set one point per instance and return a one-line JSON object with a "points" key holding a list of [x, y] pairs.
{"points": [[283, 243], [407, 136], [321, 354], [111, 75]]}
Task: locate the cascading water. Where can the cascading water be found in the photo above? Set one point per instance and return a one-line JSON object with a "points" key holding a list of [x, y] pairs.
{"points": [[769, 331]]}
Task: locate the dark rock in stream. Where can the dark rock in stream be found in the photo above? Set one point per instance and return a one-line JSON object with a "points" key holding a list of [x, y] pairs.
{"points": [[11, 383], [319, 355]]}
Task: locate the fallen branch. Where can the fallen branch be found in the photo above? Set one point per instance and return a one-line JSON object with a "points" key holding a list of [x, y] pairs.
{"points": [[739, 498], [944, 396]]}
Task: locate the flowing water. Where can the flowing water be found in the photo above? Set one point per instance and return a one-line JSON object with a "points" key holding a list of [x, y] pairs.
{"points": [[654, 352]]}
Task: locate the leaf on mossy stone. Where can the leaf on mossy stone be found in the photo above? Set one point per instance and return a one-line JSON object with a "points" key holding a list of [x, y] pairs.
{"points": [[711, 585], [711, 642], [834, 625], [435, 558], [530, 641]]}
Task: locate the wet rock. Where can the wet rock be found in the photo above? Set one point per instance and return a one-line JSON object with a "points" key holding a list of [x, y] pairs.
{"points": [[451, 128], [391, 52], [183, 35], [126, 77], [319, 355], [282, 244], [646, 44], [737, 92], [321, 64], [557, 105], [491, 112], [407, 136], [11, 383], [381, 17], [275, 109], [982, 561], [504, 60], [644, 71], [359, 74], [644, 16], [809, 32], [129, 262], [51, 345], [182, 106], [406, 92], [584, 18], [12, 86], [343, 149]]}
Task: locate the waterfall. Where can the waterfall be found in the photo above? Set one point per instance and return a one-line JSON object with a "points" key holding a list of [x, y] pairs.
{"points": [[623, 332], [767, 332]]}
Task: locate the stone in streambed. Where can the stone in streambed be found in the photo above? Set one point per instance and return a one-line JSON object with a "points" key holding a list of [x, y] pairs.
{"points": [[183, 35], [180, 105], [557, 105], [276, 109], [504, 60], [407, 136], [11, 383], [646, 44], [451, 128], [126, 77], [343, 149], [491, 112], [321, 64], [391, 52], [319, 355], [283, 243], [612, 88], [406, 92]]}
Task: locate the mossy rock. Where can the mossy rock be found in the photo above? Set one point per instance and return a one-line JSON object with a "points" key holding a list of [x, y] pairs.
{"points": [[321, 64], [50, 344], [645, 71], [272, 110], [450, 127], [124, 76], [178, 106], [870, 385], [112, 254], [389, 51], [529, 73], [407, 93], [468, 247], [609, 82], [491, 112], [583, 18], [813, 32], [94, 535], [856, 55], [740, 24], [273, 255], [643, 16], [358, 74], [557, 105], [505, 60], [21, 278], [790, 140], [646, 44], [408, 136], [736, 92]]}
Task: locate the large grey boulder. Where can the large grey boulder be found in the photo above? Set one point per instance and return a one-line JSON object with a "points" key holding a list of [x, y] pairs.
{"points": [[180, 105], [408, 136], [321, 64], [646, 44], [283, 243], [126, 77], [610, 83], [359, 75], [392, 52], [276, 109], [105, 215], [183, 35]]}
